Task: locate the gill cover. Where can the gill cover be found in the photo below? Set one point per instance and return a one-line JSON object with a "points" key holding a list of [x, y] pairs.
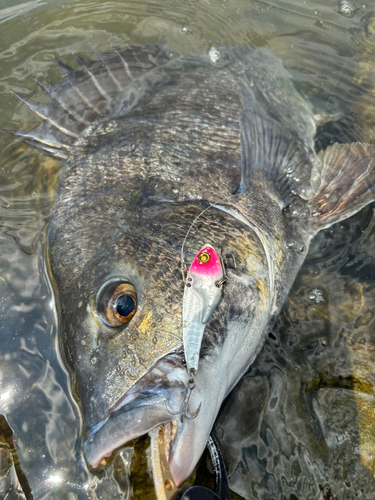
{"points": [[202, 294]]}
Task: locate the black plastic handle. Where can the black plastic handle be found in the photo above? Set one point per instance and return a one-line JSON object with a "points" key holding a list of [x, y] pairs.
{"points": [[194, 492]]}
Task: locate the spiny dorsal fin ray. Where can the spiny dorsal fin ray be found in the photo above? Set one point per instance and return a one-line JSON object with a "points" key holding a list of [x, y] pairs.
{"points": [[270, 149], [94, 79], [109, 71], [64, 68], [48, 89], [86, 97], [136, 61], [343, 181], [42, 111], [46, 143], [125, 64], [69, 89]]}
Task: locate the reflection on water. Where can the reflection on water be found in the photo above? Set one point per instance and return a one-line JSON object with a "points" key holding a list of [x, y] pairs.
{"points": [[300, 423], [308, 400]]}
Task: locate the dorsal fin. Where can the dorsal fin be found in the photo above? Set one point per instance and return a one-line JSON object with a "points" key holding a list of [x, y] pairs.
{"points": [[87, 94]]}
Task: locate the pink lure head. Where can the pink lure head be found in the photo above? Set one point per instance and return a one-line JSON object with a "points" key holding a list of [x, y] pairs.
{"points": [[207, 263]]}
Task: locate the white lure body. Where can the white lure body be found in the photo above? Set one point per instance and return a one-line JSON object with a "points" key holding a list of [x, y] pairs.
{"points": [[201, 296]]}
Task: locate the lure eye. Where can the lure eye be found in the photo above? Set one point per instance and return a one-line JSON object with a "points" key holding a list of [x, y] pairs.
{"points": [[117, 303], [204, 257]]}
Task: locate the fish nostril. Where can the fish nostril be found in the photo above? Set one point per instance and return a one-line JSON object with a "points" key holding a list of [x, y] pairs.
{"points": [[94, 357]]}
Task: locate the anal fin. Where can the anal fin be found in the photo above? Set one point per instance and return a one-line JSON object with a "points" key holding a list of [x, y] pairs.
{"points": [[343, 181]]}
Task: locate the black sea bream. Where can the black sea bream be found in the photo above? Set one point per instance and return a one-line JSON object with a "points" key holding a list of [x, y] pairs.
{"points": [[171, 160]]}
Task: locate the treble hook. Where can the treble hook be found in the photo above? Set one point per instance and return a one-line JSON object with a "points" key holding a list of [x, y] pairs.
{"points": [[190, 387]]}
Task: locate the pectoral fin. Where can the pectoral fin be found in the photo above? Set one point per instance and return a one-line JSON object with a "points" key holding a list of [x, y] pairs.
{"points": [[343, 182], [268, 148]]}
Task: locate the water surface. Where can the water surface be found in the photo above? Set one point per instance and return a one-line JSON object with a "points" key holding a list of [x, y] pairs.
{"points": [[300, 423]]}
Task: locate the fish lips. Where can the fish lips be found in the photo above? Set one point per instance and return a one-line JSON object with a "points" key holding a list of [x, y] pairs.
{"points": [[144, 413], [122, 426]]}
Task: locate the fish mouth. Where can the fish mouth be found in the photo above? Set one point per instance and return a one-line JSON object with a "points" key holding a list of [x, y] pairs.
{"points": [[121, 427], [148, 404]]}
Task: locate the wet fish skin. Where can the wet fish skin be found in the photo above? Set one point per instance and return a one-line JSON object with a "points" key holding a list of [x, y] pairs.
{"points": [[183, 133], [156, 327]]}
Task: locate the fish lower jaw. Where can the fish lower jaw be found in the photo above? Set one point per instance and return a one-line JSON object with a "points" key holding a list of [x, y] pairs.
{"points": [[170, 430], [115, 432], [141, 409]]}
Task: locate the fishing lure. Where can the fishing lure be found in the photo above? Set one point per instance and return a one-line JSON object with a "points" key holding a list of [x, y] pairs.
{"points": [[203, 290]]}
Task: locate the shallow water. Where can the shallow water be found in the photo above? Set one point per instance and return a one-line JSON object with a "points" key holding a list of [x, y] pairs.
{"points": [[300, 423]]}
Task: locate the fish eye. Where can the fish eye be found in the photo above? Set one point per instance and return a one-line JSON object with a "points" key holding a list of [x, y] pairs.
{"points": [[117, 303]]}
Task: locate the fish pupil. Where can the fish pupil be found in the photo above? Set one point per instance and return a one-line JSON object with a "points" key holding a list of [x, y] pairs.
{"points": [[125, 305]]}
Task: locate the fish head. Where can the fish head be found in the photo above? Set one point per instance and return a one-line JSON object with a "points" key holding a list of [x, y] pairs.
{"points": [[121, 289]]}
